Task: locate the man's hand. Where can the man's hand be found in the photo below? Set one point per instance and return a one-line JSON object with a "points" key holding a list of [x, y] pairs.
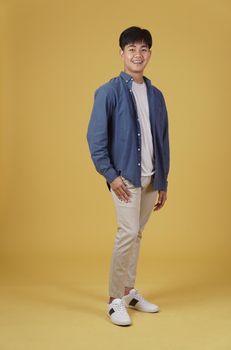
{"points": [[120, 189], [161, 200]]}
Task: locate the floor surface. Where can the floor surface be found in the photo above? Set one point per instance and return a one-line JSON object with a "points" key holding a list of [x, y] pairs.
{"points": [[62, 305]]}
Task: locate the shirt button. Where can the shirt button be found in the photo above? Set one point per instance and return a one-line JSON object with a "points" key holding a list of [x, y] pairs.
{"points": [[131, 78], [138, 134], [130, 90], [139, 164], [126, 81], [138, 149]]}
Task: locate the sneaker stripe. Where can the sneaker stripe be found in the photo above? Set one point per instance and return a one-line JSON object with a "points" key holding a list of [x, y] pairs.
{"points": [[111, 311], [133, 302]]}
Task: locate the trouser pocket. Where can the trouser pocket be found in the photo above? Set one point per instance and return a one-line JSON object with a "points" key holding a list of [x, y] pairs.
{"points": [[127, 182]]}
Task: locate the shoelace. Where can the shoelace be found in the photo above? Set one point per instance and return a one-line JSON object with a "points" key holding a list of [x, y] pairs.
{"points": [[139, 296], [120, 307]]}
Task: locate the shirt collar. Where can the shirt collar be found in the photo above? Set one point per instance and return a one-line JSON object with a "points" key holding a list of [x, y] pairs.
{"points": [[128, 77]]}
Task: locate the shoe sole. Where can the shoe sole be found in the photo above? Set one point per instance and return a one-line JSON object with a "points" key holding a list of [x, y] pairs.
{"points": [[133, 307], [119, 324]]}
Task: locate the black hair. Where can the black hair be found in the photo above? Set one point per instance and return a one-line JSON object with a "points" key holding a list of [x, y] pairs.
{"points": [[135, 34]]}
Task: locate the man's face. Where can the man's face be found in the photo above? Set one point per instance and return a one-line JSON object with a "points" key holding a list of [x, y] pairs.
{"points": [[135, 57]]}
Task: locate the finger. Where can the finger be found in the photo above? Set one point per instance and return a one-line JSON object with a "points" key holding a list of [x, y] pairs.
{"points": [[120, 194], [159, 205], [124, 186], [126, 190], [156, 207], [123, 194]]}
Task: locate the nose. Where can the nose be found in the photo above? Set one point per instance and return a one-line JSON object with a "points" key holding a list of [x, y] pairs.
{"points": [[138, 54]]}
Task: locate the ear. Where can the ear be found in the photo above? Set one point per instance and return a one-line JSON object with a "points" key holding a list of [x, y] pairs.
{"points": [[121, 52]]}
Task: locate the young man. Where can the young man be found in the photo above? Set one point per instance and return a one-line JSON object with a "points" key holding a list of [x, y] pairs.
{"points": [[129, 145]]}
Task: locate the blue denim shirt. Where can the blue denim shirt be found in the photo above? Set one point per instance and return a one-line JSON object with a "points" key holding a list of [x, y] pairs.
{"points": [[114, 134]]}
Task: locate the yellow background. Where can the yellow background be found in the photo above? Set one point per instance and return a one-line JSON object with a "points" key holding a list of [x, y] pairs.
{"points": [[57, 216]]}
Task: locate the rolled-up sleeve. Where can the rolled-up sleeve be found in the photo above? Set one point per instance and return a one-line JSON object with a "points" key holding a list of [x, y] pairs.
{"points": [[97, 132]]}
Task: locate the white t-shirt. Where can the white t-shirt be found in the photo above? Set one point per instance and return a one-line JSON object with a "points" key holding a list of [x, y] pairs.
{"points": [[147, 151]]}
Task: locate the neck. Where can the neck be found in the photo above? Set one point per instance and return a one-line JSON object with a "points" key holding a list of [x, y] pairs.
{"points": [[138, 77]]}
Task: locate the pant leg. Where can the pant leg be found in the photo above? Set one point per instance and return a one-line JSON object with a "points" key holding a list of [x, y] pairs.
{"points": [[148, 200], [128, 223]]}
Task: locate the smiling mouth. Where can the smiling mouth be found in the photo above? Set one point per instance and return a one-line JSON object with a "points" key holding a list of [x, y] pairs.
{"points": [[137, 62]]}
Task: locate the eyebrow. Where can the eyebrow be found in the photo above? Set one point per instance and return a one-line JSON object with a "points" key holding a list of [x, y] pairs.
{"points": [[144, 45]]}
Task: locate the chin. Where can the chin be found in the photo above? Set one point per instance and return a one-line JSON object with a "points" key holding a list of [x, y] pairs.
{"points": [[138, 70]]}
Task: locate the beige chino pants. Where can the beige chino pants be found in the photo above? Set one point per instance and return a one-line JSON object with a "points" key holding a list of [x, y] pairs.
{"points": [[131, 219]]}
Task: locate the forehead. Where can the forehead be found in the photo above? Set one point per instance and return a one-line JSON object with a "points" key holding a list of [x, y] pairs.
{"points": [[137, 44]]}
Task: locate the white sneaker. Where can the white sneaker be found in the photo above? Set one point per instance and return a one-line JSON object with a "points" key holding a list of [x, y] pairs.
{"points": [[117, 312], [136, 301]]}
